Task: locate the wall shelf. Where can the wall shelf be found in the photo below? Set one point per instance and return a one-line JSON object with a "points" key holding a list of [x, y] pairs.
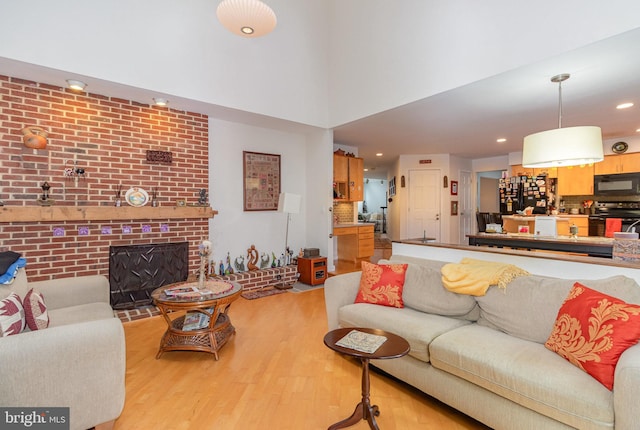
{"points": [[100, 213]]}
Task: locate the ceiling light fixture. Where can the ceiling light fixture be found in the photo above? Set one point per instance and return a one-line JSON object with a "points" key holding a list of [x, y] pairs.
{"points": [[501, 140], [160, 101], [379, 154], [76, 85], [248, 18], [624, 105], [570, 146]]}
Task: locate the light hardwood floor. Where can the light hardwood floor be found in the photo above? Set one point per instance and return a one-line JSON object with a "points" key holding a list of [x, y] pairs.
{"points": [[275, 373]]}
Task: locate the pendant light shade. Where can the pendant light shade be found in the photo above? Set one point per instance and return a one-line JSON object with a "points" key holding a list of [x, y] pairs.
{"points": [[248, 18], [570, 146]]}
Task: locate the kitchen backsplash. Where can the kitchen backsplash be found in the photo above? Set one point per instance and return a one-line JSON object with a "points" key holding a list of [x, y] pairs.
{"points": [[343, 212]]}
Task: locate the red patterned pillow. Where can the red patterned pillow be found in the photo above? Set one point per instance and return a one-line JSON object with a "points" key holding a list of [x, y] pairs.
{"points": [[592, 330], [35, 311], [382, 284], [11, 315]]}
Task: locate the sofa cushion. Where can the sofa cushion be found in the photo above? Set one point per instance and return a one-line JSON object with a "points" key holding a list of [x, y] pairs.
{"points": [[592, 331], [418, 328], [526, 373], [528, 307], [381, 284], [79, 313], [35, 310], [423, 290], [12, 319]]}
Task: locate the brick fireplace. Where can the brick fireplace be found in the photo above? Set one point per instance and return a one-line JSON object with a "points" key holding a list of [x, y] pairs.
{"points": [[108, 138]]}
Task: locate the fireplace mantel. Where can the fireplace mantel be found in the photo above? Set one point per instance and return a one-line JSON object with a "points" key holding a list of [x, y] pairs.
{"points": [[100, 213]]}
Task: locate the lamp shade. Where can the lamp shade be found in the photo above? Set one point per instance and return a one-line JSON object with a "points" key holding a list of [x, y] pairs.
{"points": [[248, 18], [289, 203], [569, 146]]}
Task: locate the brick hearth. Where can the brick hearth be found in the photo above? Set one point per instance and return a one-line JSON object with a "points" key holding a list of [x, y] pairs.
{"points": [[264, 277]]}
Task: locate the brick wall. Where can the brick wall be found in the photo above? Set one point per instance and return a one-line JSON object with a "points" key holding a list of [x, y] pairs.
{"points": [[107, 137], [253, 280]]}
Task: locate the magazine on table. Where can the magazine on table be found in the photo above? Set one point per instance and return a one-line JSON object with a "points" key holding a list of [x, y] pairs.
{"points": [[360, 341], [196, 320]]}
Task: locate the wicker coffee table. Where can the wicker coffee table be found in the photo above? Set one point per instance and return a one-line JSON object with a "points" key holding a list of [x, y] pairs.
{"points": [[212, 327], [394, 347]]}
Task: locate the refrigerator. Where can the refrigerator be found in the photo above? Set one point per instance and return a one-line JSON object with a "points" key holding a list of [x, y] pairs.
{"points": [[519, 192]]}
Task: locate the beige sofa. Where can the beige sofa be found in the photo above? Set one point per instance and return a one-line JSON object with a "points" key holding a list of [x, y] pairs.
{"points": [[485, 356], [77, 362]]}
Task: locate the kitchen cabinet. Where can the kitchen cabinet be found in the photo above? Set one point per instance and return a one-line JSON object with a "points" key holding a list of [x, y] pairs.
{"points": [[623, 163], [518, 170], [575, 180], [355, 243], [348, 178]]}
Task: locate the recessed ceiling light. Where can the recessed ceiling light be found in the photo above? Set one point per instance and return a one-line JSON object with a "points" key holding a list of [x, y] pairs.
{"points": [[624, 105], [160, 102], [76, 85], [366, 170], [379, 154], [501, 140], [638, 130]]}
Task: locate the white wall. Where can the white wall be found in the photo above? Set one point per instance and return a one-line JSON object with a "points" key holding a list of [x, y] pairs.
{"points": [[234, 230], [179, 48], [412, 49]]}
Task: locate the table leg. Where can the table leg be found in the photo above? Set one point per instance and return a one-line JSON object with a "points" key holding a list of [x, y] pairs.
{"points": [[364, 410]]}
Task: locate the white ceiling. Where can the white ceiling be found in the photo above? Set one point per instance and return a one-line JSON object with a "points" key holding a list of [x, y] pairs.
{"points": [[466, 121]]}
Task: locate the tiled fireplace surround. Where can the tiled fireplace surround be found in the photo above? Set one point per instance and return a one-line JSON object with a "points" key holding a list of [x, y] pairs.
{"points": [[108, 138]]}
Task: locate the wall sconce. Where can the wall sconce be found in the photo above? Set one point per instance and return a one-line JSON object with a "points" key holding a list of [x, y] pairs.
{"points": [[160, 101], [76, 85]]}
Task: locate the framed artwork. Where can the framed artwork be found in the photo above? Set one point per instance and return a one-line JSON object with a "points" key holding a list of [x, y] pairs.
{"points": [[454, 207], [392, 187], [454, 188], [261, 184]]}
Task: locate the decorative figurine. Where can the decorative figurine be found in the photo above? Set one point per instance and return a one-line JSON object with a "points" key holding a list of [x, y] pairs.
{"points": [[228, 270], [301, 253], [274, 261], [202, 199], [34, 137], [154, 197], [45, 200], [239, 264], [252, 255], [264, 260], [221, 268]]}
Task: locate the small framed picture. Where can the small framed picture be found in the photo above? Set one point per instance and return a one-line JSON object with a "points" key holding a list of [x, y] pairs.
{"points": [[454, 207], [454, 188]]}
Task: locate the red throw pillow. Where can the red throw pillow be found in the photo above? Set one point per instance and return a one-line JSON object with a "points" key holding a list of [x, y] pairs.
{"points": [[35, 311], [382, 284], [11, 315], [592, 330]]}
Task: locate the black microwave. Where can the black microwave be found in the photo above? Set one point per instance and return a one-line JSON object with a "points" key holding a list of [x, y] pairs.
{"points": [[621, 184]]}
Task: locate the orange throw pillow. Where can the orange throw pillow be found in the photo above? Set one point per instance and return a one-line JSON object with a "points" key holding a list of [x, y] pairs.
{"points": [[382, 284], [592, 330]]}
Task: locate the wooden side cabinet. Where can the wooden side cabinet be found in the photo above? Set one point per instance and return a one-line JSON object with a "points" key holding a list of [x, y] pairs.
{"points": [[313, 271]]}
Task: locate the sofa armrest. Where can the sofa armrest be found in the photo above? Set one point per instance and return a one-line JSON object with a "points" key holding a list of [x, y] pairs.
{"points": [[339, 291], [73, 291], [626, 389], [80, 366]]}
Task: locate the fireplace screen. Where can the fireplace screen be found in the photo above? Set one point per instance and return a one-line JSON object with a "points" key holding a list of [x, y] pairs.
{"points": [[136, 270]]}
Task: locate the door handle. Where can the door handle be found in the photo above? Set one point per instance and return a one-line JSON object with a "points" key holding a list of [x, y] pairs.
{"points": [[437, 217]]}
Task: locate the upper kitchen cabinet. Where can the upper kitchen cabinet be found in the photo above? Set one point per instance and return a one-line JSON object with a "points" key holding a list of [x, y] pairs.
{"points": [[518, 170], [348, 178], [575, 180], [623, 163]]}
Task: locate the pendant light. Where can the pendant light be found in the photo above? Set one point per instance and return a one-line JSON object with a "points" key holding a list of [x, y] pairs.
{"points": [[247, 18], [570, 146]]}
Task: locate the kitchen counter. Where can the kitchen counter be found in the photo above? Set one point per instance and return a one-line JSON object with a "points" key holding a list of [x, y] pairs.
{"points": [[511, 223], [592, 246], [352, 224]]}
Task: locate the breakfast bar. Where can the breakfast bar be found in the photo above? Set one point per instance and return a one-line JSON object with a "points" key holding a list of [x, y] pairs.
{"points": [[592, 246]]}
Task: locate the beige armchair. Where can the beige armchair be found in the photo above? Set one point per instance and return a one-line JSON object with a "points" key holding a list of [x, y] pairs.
{"points": [[77, 362]]}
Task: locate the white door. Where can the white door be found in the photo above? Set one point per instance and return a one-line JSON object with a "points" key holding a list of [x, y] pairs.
{"points": [[424, 204], [465, 210]]}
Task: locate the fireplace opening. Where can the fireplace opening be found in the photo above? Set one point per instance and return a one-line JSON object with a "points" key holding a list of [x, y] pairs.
{"points": [[136, 270]]}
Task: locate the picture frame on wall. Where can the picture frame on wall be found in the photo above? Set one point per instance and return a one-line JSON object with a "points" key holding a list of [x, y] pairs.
{"points": [[454, 188], [261, 181], [454, 207]]}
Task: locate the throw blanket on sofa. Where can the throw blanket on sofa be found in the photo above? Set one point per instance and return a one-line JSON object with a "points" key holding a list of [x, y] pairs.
{"points": [[474, 277]]}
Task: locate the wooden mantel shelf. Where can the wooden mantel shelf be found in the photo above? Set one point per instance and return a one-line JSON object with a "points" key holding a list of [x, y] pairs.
{"points": [[100, 213]]}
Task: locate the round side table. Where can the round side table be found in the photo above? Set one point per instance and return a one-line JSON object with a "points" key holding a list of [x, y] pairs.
{"points": [[394, 347]]}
